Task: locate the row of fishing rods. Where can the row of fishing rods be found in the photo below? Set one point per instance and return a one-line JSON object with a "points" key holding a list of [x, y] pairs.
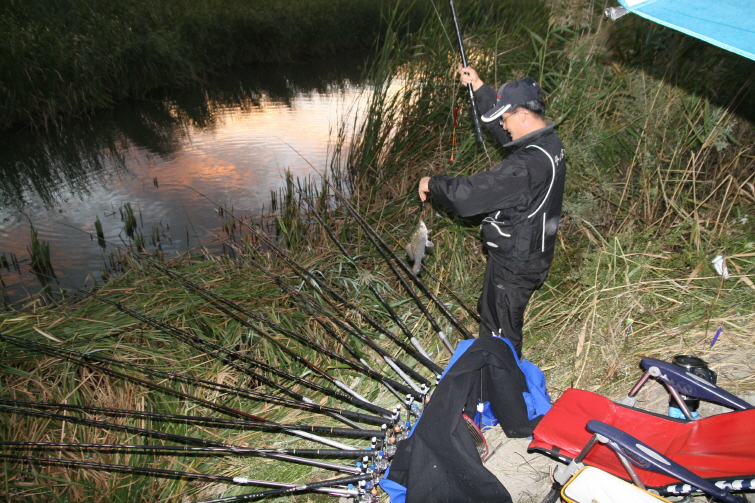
{"points": [[416, 387], [97, 362], [373, 460]]}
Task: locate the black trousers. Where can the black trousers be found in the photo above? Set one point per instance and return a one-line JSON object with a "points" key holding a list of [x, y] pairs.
{"points": [[505, 294]]}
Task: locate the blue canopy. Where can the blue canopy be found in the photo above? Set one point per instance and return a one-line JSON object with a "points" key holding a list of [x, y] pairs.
{"points": [[729, 24]]}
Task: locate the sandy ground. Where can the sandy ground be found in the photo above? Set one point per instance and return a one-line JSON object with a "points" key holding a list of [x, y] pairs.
{"points": [[526, 476]]}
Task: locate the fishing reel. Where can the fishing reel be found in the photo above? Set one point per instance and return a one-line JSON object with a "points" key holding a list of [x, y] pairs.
{"points": [[403, 419], [374, 465]]}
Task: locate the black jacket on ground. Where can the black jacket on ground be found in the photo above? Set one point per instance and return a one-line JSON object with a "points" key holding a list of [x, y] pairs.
{"points": [[521, 195], [439, 461]]}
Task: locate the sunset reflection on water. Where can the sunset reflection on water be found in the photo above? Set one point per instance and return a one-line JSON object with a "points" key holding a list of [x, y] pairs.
{"points": [[232, 145]]}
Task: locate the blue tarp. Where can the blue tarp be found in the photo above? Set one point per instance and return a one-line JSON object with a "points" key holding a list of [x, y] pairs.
{"points": [[729, 24]]}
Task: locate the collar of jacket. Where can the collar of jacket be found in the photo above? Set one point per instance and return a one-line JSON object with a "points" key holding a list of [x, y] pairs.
{"points": [[529, 138]]}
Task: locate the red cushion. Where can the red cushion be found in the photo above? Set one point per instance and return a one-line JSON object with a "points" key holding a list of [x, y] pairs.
{"points": [[717, 447]]}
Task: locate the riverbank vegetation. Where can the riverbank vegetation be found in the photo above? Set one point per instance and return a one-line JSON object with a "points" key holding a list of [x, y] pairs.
{"points": [[660, 182], [660, 157], [62, 58]]}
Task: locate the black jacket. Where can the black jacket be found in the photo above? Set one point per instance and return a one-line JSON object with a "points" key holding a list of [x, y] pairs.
{"points": [[521, 196], [439, 463]]}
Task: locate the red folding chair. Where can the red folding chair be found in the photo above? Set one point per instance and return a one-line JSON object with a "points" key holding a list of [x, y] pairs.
{"points": [[716, 452]]}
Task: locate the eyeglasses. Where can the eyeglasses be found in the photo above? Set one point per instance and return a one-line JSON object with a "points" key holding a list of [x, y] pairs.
{"points": [[502, 122]]}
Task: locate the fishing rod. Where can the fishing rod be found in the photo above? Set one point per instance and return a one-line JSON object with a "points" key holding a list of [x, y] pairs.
{"points": [[85, 359], [423, 356], [223, 304], [182, 438], [307, 301], [475, 112], [208, 421], [191, 475], [187, 337], [299, 488], [391, 384], [185, 449]]}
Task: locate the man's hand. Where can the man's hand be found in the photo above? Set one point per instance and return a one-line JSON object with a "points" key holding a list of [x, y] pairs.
{"points": [[424, 188], [468, 75]]}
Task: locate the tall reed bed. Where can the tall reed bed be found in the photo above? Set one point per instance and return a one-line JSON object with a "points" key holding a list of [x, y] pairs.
{"points": [[660, 181]]}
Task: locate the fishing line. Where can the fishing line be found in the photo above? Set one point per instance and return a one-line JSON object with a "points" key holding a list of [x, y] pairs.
{"points": [[442, 24], [455, 93], [185, 449], [473, 103], [453, 138]]}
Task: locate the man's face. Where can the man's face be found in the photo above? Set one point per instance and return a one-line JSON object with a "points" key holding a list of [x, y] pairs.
{"points": [[513, 123]]}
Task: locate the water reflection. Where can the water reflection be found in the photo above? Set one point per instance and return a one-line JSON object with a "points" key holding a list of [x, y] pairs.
{"points": [[230, 140]]}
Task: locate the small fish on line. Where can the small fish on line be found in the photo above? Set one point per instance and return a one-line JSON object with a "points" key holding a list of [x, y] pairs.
{"points": [[417, 247]]}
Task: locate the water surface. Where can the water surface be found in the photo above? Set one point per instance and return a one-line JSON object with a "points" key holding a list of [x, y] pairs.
{"points": [[231, 141]]}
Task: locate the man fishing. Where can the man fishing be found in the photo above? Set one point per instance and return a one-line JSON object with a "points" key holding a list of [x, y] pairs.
{"points": [[521, 196]]}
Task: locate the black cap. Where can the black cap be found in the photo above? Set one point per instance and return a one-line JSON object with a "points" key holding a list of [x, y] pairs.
{"points": [[512, 94]]}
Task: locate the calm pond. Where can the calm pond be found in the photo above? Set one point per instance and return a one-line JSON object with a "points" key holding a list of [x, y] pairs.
{"points": [[231, 141]]}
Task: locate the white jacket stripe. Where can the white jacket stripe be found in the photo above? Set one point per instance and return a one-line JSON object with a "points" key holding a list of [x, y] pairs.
{"points": [[553, 179]]}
